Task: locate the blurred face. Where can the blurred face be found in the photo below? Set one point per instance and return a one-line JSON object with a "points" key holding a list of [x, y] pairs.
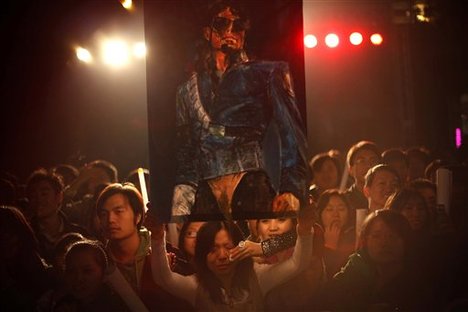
{"points": [[336, 211], [97, 176], [190, 237], [383, 244], [363, 161], [416, 168], [227, 29], [327, 177], [430, 197], [415, 212], [83, 275], [117, 218], [268, 228], [402, 168], [43, 200], [217, 259], [385, 184]]}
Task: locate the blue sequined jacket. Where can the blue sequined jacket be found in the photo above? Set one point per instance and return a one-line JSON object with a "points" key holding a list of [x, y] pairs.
{"points": [[226, 129]]}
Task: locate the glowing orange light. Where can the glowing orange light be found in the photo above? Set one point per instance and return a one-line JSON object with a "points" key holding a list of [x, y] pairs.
{"points": [[355, 38], [332, 40], [376, 39], [310, 41]]}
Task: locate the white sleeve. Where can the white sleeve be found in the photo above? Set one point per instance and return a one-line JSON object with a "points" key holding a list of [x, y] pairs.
{"points": [[272, 275], [184, 287]]}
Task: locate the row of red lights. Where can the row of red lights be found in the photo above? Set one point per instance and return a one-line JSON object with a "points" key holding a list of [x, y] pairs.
{"points": [[332, 40]]}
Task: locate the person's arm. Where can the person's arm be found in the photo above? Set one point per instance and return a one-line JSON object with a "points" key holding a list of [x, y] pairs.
{"points": [[184, 287], [186, 150], [293, 141]]}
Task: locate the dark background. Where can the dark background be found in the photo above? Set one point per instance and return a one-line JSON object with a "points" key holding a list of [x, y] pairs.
{"points": [[54, 109]]}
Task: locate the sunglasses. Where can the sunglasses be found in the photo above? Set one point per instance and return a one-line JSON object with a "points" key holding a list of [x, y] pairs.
{"points": [[221, 24]]}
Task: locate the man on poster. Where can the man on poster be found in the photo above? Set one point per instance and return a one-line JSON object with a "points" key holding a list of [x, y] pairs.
{"points": [[240, 145]]}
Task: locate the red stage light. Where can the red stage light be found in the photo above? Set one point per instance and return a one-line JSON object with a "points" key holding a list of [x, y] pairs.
{"points": [[376, 39], [310, 41], [355, 38], [332, 40]]}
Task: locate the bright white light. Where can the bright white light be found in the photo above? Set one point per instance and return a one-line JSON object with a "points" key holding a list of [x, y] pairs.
{"points": [[127, 4], [332, 40], [376, 39], [139, 50], [355, 38], [310, 41], [84, 55], [115, 53]]}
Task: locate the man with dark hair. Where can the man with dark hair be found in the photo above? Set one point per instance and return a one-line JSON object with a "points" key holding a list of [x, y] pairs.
{"points": [[361, 157], [121, 213], [231, 114], [44, 191], [398, 160]]}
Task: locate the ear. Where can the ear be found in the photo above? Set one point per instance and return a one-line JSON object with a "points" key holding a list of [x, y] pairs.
{"points": [[138, 218], [366, 191], [207, 33]]}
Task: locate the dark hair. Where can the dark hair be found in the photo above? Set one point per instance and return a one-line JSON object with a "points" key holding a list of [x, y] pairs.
{"points": [[7, 192], [421, 183], [206, 278], [370, 175], [419, 152], [325, 198], [217, 6], [316, 163], [394, 154], [66, 170], [360, 146], [43, 175], [91, 245], [393, 220], [129, 191], [400, 199], [108, 168], [12, 221]]}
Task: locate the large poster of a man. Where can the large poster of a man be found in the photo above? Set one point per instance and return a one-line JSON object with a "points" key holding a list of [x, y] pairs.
{"points": [[238, 141]]}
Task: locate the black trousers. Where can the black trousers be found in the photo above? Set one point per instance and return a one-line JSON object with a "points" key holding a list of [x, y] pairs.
{"points": [[252, 199]]}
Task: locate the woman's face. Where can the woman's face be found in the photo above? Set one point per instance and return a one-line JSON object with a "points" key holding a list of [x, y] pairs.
{"points": [[335, 211], [268, 228], [385, 184], [383, 244], [190, 237], [84, 276], [415, 212], [327, 177], [217, 259]]}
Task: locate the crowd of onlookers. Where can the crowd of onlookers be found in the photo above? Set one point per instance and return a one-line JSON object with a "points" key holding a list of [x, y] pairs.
{"points": [[374, 237]]}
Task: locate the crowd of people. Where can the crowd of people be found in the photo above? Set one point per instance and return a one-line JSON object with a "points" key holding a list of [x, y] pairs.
{"points": [[81, 239]]}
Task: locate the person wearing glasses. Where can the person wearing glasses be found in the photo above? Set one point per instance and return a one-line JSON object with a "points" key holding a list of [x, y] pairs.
{"points": [[230, 113]]}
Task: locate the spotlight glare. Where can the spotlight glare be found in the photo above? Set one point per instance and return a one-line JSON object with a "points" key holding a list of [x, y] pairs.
{"points": [[355, 38], [127, 4], [332, 40], [115, 53], [376, 39], [310, 41], [83, 55], [139, 50]]}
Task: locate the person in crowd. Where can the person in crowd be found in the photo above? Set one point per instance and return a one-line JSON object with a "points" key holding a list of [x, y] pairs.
{"points": [[360, 158], [23, 273], [68, 173], [187, 242], [381, 182], [80, 196], [222, 140], [418, 159], [121, 214], [398, 160], [380, 276], [326, 170], [335, 215], [85, 271], [45, 193], [224, 283], [431, 169]]}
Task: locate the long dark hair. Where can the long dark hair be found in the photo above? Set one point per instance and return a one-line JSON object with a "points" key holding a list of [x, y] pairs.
{"points": [[206, 278]]}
